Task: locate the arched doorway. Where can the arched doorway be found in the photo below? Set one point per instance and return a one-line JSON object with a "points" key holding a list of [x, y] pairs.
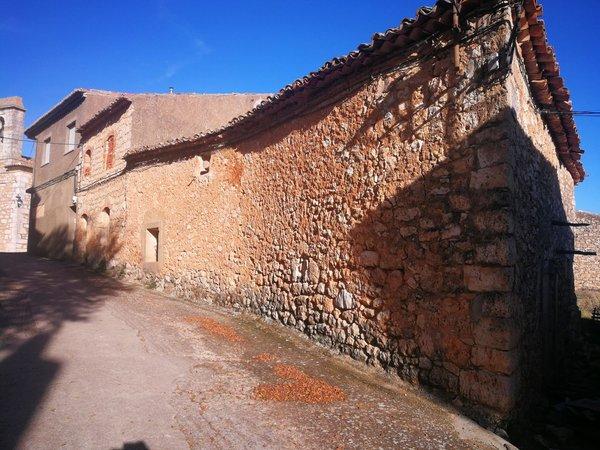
{"points": [[83, 233], [104, 227]]}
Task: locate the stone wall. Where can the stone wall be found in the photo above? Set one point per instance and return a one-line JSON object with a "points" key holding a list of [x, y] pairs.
{"points": [[102, 191], [587, 268], [149, 118], [377, 225], [541, 192], [407, 224], [15, 178], [14, 217]]}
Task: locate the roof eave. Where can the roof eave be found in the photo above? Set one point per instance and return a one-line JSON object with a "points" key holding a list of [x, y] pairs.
{"points": [[548, 88], [562, 129], [67, 104], [100, 118]]}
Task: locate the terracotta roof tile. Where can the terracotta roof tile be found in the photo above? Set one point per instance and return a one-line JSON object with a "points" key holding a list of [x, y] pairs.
{"points": [[548, 87], [119, 104], [393, 39], [540, 61]]}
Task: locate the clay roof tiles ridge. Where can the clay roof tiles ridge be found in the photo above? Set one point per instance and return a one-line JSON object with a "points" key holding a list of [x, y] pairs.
{"points": [[118, 104], [539, 59], [398, 36], [69, 99]]}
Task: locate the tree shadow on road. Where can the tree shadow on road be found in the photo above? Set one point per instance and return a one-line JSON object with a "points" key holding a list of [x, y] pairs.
{"points": [[139, 445], [36, 297], [25, 376]]}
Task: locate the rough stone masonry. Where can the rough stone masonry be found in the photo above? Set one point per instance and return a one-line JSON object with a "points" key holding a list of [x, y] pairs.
{"points": [[397, 205], [587, 267], [15, 177]]}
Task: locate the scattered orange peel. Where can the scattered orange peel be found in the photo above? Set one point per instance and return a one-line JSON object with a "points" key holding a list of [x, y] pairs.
{"points": [[302, 388], [263, 357], [215, 328]]}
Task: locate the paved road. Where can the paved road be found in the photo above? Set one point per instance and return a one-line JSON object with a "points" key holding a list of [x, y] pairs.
{"points": [[87, 362]]}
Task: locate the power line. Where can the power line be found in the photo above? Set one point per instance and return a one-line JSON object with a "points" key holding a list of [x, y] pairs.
{"points": [[38, 142], [571, 113]]}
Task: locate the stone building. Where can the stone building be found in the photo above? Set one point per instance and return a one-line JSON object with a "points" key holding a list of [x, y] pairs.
{"points": [[61, 160], [15, 177], [53, 203], [397, 204], [587, 267], [132, 121]]}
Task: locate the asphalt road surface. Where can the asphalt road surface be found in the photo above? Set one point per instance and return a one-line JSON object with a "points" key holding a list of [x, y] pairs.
{"points": [[87, 362]]}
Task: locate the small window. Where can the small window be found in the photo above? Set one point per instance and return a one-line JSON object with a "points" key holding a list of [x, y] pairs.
{"points": [[70, 138], [104, 219], [46, 152], [83, 224], [109, 152], [151, 253], [87, 163], [103, 227]]}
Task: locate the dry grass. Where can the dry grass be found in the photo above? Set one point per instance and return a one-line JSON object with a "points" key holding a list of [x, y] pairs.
{"points": [[587, 300]]}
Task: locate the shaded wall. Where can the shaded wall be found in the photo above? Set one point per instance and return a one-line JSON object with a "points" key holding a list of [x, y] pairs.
{"points": [[375, 225], [52, 231], [407, 225], [52, 219], [544, 308], [587, 268]]}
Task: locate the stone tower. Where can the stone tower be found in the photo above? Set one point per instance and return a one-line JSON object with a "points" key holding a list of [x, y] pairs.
{"points": [[12, 115], [15, 177]]}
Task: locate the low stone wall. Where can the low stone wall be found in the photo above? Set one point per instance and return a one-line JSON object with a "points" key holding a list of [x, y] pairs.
{"points": [[587, 268]]}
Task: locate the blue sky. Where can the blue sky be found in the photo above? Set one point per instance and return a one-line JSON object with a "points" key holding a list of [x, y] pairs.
{"points": [[49, 48]]}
